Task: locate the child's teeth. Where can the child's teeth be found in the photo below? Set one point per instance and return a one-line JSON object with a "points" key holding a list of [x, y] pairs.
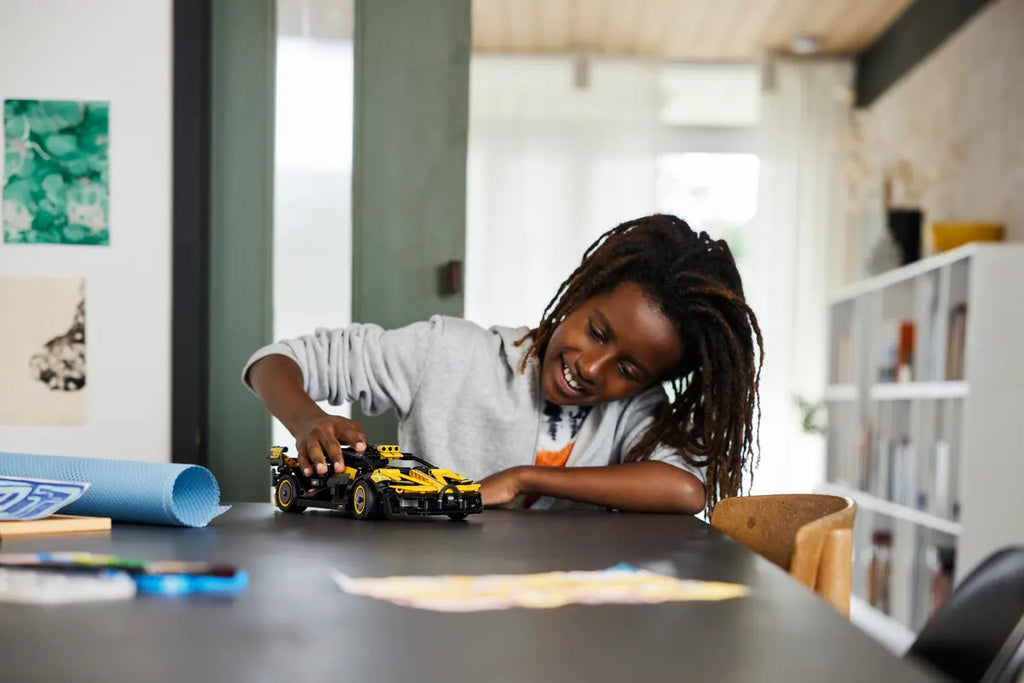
{"points": [[568, 378]]}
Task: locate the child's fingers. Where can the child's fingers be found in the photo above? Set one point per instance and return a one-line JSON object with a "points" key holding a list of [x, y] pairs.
{"points": [[316, 457], [351, 433], [333, 450], [304, 464]]}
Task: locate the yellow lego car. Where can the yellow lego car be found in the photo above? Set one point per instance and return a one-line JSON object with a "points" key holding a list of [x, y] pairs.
{"points": [[381, 481]]}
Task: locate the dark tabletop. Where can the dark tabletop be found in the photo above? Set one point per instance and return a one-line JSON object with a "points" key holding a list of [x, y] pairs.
{"points": [[293, 624]]}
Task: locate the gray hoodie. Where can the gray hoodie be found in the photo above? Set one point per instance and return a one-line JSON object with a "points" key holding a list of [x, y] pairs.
{"points": [[461, 400]]}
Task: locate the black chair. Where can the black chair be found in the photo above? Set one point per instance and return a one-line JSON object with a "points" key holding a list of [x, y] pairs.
{"points": [[977, 634]]}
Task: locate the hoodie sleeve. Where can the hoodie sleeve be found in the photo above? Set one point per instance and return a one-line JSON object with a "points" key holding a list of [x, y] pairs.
{"points": [[637, 417], [380, 368]]}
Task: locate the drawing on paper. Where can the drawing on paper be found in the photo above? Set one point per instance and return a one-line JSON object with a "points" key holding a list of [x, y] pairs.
{"points": [[42, 351]]}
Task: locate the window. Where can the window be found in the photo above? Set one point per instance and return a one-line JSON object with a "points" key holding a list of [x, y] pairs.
{"points": [[712, 192]]}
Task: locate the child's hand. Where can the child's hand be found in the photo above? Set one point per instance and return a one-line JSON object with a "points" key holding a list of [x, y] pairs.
{"points": [[319, 443], [501, 488]]}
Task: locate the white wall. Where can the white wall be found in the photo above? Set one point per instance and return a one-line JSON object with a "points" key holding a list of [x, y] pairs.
{"points": [[957, 119], [120, 51]]}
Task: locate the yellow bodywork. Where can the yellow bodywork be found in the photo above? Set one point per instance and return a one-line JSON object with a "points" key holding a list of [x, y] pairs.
{"points": [[418, 482]]}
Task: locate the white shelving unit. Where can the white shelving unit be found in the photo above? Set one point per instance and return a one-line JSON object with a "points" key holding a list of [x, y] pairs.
{"points": [[905, 391], [925, 399]]}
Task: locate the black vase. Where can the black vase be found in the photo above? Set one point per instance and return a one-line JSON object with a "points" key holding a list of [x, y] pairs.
{"points": [[905, 228]]}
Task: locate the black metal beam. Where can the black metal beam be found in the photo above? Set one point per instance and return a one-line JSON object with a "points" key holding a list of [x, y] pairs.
{"points": [[191, 238], [911, 38]]}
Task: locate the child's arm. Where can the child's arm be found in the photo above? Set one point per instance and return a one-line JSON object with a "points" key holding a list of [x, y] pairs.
{"points": [[379, 368], [647, 486], [277, 380]]}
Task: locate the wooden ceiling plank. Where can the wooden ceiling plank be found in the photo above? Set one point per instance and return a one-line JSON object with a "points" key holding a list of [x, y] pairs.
{"points": [[487, 25], [589, 20], [880, 17], [621, 24], [556, 25], [830, 25], [521, 30], [765, 13], [697, 30], [729, 37], [685, 43], [652, 27], [780, 25]]}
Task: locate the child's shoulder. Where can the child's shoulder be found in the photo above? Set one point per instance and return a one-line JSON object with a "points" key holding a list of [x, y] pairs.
{"points": [[460, 327], [463, 336]]}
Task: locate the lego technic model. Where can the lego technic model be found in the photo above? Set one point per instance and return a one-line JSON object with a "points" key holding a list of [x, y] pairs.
{"points": [[378, 482]]}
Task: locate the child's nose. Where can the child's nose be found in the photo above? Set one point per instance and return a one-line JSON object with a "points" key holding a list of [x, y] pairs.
{"points": [[592, 367]]}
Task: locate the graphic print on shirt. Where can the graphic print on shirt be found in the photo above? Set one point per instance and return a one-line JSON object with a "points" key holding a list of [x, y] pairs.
{"points": [[556, 439]]}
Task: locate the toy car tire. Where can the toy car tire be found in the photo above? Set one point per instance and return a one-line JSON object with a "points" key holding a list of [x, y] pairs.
{"points": [[364, 500], [286, 494], [457, 516]]}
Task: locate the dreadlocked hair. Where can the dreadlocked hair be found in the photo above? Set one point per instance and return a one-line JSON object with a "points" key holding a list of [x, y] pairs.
{"points": [[711, 415]]}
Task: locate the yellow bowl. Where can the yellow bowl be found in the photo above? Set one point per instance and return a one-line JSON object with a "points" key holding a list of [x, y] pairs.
{"points": [[952, 234]]}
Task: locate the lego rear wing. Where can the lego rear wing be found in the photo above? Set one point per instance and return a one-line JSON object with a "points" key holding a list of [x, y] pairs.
{"points": [[277, 457], [381, 456], [382, 453]]}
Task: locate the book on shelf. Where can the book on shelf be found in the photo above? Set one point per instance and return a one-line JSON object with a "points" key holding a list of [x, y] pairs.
{"points": [[905, 352], [889, 471], [880, 570], [931, 338], [878, 476], [898, 348], [864, 457], [941, 501], [942, 563], [903, 475], [956, 339], [888, 343]]}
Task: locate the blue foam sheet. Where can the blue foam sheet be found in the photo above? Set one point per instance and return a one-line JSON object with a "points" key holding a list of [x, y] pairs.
{"points": [[126, 491]]}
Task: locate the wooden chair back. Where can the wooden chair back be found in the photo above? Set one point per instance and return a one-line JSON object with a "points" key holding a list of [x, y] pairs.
{"points": [[808, 535]]}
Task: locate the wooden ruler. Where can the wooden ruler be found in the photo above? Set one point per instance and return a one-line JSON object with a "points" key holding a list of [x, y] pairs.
{"points": [[54, 524]]}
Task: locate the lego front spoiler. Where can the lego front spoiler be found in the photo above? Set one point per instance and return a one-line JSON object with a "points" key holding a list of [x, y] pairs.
{"points": [[448, 502]]}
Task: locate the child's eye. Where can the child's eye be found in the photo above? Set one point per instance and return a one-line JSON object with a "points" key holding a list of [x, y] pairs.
{"points": [[628, 372], [597, 335]]}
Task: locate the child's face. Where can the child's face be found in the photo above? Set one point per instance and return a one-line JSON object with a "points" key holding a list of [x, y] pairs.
{"points": [[614, 345]]}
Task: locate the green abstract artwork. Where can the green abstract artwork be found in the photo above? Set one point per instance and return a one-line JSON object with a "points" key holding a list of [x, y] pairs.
{"points": [[56, 172]]}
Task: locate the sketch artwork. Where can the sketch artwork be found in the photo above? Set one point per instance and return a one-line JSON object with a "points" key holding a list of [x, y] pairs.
{"points": [[42, 351]]}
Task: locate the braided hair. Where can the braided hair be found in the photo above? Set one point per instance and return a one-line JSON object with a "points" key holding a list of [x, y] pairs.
{"points": [[694, 281]]}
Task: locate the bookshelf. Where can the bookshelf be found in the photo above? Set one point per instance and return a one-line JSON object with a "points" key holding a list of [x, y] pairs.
{"points": [[925, 401]]}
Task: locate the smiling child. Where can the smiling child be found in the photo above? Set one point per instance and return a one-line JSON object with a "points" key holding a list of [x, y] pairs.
{"points": [[574, 409]]}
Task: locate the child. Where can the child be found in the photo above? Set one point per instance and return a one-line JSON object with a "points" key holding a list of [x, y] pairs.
{"points": [[539, 414]]}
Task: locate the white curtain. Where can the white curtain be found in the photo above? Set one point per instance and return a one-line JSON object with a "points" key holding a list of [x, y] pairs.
{"points": [[551, 166], [801, 207], [312, 189]]}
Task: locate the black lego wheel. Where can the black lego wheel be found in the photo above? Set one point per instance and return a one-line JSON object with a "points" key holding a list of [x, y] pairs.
{"points": [[287, 494], [364, 500], [457, 516]]}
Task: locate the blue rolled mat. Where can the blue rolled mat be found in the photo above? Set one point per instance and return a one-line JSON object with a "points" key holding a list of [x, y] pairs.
{"points": [[127, 491]]}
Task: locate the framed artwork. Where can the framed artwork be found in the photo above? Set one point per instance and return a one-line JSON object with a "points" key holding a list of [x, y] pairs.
{"points": [[56, 183]]}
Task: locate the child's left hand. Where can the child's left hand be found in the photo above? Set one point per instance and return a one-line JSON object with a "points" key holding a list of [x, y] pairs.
{"points": [[501, 488]]}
